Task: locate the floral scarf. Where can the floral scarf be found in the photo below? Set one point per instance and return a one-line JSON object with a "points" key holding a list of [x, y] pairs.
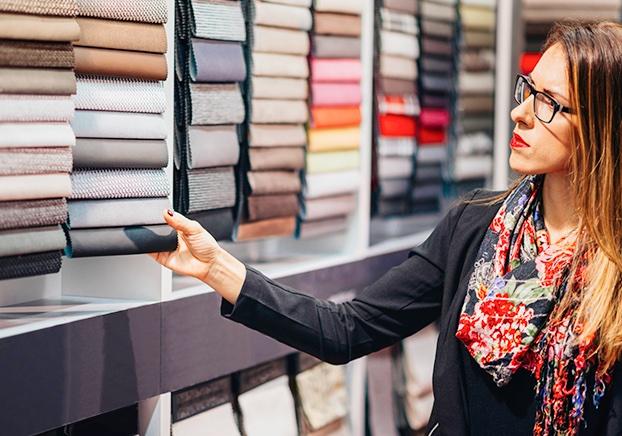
{"points": [[517, 281]]}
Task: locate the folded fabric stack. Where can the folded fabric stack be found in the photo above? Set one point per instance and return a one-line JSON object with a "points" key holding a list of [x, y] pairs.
{"points": [[332, 164], [276, 94], [36, 84], [472, 153], [539, 16], [210, 109], [397, 105], [119, 187], [436, 84]]}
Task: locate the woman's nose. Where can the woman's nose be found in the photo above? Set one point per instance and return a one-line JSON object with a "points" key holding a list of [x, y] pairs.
{"points": [[523, 113]]}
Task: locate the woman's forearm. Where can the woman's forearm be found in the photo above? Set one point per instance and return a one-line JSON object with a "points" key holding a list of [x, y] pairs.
{"points": [[226, 275]]}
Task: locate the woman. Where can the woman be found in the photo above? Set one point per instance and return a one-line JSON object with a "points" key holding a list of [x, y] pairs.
{"points": [[526, 283]]}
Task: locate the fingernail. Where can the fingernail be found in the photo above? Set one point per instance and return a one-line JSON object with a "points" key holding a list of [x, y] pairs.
{"points": [[170, 212]]}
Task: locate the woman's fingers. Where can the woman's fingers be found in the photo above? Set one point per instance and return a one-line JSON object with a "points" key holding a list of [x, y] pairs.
{"points": [[181, 223]]}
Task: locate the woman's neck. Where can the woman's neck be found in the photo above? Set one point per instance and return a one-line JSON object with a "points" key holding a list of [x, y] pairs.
{"points": [[558, 206]]}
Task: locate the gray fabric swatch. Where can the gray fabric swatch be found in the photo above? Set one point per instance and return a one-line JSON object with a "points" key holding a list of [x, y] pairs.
{"points": [[16, 161], [216, 61], [117, 213], [35, 213], [211, 188], [212, 146], [217, 19], [216, 104], [336, 46], [119, 153], [31, 240], [30, 265], [112, 183], [218, 222]]}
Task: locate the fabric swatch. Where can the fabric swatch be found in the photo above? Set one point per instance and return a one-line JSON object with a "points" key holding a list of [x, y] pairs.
{"points": [[36, 135], [331, 184], [67, 8], [36, 54], [212, 146], [473, 17], [17, 161], [279, 15], [122, 125], [342, 138], [472, 167], [474, 39], [393, 188], [438, 118], [336, 94], [336, 70], [218, 222], [432, 136], [407, 6], [273, 227], [476, 103], [34, 187], [30, 265], [37, 81], [117, 241], [395, 67], [119, 95], [22, 241], [15, 107], [283, 41], [396, 21], [213, 422], [201, 397], [277, 158], [396, 146], [120, 63], [399, 44], [397, 86], [326, 207], [38, 28], [395, 167], [122, 35], [279, 65], [476, 122], [216, 104], [435, 83], [342, 6], [436, 47], [216, 61], [215, 19], [433, 151], [328, 46], [312, 229], [117, 212], [477, 60], [327, 162], [327, 23], [397, 125], [119, 153], [211, 188], [273, 182], [113, 183], [437, 28], [337, 116], [441, 65], [399, 104], [280, 88], [146, 11], [276, 135], [37, 213], [437, 11], [279, 111], [261, 207]]}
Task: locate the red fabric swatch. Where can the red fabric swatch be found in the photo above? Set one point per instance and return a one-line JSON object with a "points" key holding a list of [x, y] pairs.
{"points": [[397, 125]]}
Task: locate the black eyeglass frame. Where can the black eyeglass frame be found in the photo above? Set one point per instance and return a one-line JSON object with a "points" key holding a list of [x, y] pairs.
{"points": [[557, 106]]}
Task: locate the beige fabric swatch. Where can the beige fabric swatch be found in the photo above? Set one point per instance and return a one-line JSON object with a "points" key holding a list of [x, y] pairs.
{"points": [[34, 187], [37, 81], [277, 135], [280, 65], [38, 28], [279, 111], [122, 35], [120, 63], [283, 41]]}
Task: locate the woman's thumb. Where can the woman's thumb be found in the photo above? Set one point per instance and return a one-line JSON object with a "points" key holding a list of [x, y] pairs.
{"points": [[181, 223]]}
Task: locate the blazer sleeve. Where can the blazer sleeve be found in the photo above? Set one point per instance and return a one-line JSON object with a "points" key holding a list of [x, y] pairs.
{"points": [[400, 303]]}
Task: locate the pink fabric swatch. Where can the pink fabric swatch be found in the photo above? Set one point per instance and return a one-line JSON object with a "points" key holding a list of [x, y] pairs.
{"points": [[434, 117], [336, 94], [336, 70]]}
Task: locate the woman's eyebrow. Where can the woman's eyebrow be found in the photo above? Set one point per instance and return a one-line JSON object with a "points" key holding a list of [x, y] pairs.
{"points": [[548, 91]]}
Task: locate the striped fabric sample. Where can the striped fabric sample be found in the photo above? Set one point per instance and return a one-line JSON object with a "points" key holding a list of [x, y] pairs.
{"points": [[30, 265], [36, 54], [399, 22], [218, 19], [119, 95], [66, 8], [37, 213], [111, 183], [211, 188], [147, 11], [216, 103], [16, 107], [15, 161]]}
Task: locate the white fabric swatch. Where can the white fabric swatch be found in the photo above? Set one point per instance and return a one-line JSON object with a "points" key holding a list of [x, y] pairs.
{"points": [[399, 44], [345, 6], [125, 125], [218, 421], [34, 187], [394, 167], [15, 107], [120, 95], [278, 15], [36, 135], [395, 67], [330, 184], [472, 167], [280, 65]]}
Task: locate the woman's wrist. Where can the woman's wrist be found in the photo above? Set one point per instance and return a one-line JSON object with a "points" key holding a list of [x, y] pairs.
{"points": [[225, 275]]}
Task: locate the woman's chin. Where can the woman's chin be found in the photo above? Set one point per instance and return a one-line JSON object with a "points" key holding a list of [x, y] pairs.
{"points": [[522, 166]]}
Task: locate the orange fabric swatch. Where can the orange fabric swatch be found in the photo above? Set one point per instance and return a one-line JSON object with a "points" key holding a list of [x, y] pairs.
{"points": [[335, 116]]}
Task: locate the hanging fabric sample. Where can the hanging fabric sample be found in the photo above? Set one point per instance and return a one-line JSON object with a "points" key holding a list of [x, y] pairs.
{"points": [[274, 137], [211, 69], [119, 185], [37, 80], [334, 131], [396, 106]]}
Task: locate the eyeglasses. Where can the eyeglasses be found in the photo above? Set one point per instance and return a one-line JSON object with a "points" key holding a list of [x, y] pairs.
{"points": [[544, 106]]}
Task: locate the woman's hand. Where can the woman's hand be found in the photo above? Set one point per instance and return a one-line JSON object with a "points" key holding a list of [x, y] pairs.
{"points": [[199, 255]]}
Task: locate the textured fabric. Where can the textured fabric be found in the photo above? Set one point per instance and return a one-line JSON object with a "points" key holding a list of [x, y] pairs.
{"points": [[117, 241], [67, 8], [279, 65], [325, 46], [473, 17], [431, 136], [22, 241], [282, 41], [436, 11], [122, 35], [34, 187], [36, 135], [117, 212], [336, 94], [271, 206], [211, 188], [397, 86], [399, 104], [277, 158], [444, 66], [216, 104], [273, 182], [332, 161], [212, 146], [478, 39], [338, 116], [337, 24], [399, 44], [16, 161], [37, 81], [476, 82], [433, 151], [342, 138], [273, 227], [398, 21], [397, 125], [36, 54], [336, 70], [434, 117], [120, 63], [437, 28], [312, 229], [30, 265], [119, 95], [37, 213], [435, 83], [477, 60], [218, 19], [279, 111], [280, 88], [147, 11], [38, 28], [216, 61], [280, 15], [275, 135], [112, 183], [341, 6], [395, 167], [327, 207], [122, 125], [331, 184], [396, 146], [15, 107], [395, 67], [119, 153], [407, 6], [475, 143], [436, 47]]}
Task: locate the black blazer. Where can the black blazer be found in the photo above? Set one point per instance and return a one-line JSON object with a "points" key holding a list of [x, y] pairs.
{"points": [[431, 284]]}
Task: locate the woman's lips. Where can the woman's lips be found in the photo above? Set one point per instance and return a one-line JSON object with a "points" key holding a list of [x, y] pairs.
{"points": [[518, 142]]}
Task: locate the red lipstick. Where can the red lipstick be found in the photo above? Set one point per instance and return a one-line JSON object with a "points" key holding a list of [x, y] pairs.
{"points": [[518, 142]]}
